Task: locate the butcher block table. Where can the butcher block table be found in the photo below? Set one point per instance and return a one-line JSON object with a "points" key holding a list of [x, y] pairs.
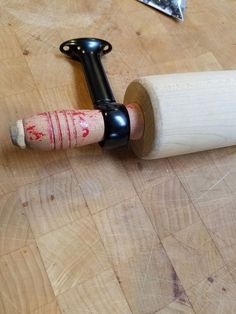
{"points": [[92, 231]]}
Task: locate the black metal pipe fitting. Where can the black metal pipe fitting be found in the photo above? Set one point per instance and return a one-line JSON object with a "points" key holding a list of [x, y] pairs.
{"points": [[88, 51]]}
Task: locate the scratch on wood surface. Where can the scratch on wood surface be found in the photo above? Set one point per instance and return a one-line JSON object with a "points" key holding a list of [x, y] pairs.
{"points": [[9, 301], [188, 247], [213, 186], [148, 262]]}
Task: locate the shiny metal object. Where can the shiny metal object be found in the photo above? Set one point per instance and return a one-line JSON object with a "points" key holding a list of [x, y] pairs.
{"points": [[174, 8]]}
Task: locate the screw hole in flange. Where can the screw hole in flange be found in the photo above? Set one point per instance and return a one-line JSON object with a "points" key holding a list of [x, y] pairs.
{"points": [[106, 48]]}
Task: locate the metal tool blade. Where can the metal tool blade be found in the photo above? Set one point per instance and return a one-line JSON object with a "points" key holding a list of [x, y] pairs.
{"points": [[174, 8]]}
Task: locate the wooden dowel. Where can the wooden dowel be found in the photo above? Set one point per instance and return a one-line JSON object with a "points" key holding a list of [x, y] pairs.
{"points": [[185, 113]]}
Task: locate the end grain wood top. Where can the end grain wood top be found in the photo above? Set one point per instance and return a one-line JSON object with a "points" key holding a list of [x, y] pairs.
{"points": [[88, 231]]}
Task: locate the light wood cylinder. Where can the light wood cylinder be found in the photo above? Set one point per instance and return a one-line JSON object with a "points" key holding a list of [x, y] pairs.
{"points": [[184, 113]]}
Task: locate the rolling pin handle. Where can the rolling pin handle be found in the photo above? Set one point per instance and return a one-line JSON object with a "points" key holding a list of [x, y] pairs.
{"points": [[88, 51]]}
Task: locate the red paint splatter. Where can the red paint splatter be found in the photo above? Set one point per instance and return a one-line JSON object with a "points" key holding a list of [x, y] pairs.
{"points": [[83, 123], [85, 132], [30, 128], [84, 126], [34, 134], [131, 106], [78, 113], [74, 127], [94, 114]]}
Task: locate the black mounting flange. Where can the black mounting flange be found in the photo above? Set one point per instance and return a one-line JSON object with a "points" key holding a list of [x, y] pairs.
{"points": [[88, 51]]}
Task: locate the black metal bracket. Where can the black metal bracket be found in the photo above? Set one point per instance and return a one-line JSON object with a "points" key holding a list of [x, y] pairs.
{"points": [[88, 51]]}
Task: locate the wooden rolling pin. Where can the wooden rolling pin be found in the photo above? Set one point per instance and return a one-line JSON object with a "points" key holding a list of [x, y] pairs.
{"points": [[169, 115]]}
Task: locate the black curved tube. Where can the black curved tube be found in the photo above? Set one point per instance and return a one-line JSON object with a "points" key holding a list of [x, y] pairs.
{"points": [[88, 51]]}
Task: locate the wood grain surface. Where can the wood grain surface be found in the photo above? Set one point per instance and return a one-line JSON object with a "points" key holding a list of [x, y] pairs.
{"points": [[91, 231]]}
